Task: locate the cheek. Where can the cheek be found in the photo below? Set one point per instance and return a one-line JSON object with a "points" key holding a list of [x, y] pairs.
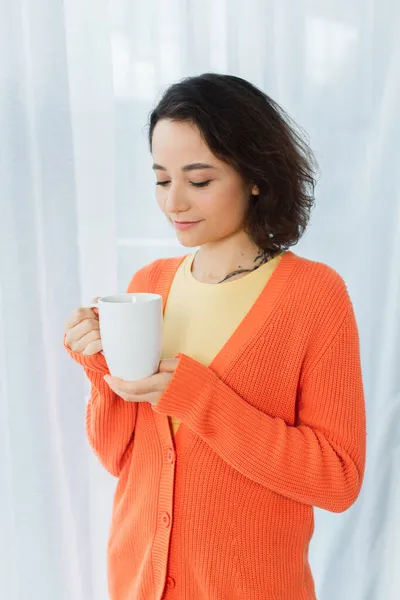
{"points": [[227, 205]]}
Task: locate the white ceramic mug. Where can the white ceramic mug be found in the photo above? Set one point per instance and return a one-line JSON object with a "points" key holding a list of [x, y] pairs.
{"points": [[131, 334]]}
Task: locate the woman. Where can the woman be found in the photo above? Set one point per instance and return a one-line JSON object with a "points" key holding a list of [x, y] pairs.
{"points": [[257, 412]]}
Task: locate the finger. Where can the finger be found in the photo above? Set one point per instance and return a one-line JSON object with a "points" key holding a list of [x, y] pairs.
{"points": [[85, 327], [149, 385], [168, 365], [80, 345], [79, 315], [151, 398], [75, 335], [93, 348], [113, 385]]}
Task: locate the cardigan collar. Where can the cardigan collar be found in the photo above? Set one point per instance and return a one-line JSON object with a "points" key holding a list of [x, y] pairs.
{"points": [[274, 289]]}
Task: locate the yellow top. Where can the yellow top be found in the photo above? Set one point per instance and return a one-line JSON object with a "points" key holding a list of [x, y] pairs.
{"points": [[200, 317]]}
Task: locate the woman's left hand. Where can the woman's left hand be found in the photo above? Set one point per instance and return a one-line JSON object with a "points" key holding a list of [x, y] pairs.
{"points": [[149, 389]]}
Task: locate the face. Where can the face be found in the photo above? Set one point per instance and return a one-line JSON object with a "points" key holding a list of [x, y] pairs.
{"points": [[204, 198]]}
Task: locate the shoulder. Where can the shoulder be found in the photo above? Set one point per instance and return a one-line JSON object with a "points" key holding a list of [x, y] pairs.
{"points": [[146, 278], [318, 299], [319, 281], [321, 308]]}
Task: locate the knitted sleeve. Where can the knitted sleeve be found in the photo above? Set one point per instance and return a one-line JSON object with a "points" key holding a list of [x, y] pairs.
{"points": [[110, 420], [319, 461]]}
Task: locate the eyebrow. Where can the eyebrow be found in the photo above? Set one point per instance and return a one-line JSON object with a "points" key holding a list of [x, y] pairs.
{"points": [[186, 168]]}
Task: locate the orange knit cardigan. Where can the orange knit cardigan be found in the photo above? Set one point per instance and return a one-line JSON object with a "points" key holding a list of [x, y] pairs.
{"points": [[274, 426]]}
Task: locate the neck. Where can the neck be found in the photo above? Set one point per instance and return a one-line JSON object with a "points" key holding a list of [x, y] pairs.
{"points": [[227, 259]]}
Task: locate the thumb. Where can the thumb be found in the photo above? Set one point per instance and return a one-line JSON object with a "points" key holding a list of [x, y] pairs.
{"points": [[168, 365]]}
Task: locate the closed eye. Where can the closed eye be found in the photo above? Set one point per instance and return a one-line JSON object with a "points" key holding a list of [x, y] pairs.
{"points": [[200, 184]]}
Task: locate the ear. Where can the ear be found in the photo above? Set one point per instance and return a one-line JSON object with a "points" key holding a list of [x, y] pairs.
{"points": [[255, 190]]}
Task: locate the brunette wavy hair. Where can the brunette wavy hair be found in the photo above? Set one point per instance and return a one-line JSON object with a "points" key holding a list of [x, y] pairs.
{"points": [[248, 130]]}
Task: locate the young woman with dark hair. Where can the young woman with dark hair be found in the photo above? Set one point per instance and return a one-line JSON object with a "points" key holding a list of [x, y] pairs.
{"points": [[257, 412]]}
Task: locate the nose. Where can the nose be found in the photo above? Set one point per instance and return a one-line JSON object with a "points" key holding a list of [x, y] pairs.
{"points": [[175, 201]]}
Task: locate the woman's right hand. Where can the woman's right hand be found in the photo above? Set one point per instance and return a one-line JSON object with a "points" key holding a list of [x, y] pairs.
{"points": [[83, 331]]}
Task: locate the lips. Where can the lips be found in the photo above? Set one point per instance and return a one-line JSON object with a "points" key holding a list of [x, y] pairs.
{"points": [[182, 225]]}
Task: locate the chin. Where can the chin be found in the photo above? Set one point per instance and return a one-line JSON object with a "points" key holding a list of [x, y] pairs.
{"points": [[189, 240]]}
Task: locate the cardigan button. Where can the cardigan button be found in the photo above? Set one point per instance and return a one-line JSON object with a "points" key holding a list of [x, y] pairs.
{"points": [[171, 456], [166, 519], [170, 582]]}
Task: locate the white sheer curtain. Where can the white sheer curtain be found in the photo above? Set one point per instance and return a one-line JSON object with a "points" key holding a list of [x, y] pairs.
{"points": [[78, 217]]}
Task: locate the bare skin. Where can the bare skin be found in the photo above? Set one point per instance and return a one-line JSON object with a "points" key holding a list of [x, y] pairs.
{"points": [[194, 186]]}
